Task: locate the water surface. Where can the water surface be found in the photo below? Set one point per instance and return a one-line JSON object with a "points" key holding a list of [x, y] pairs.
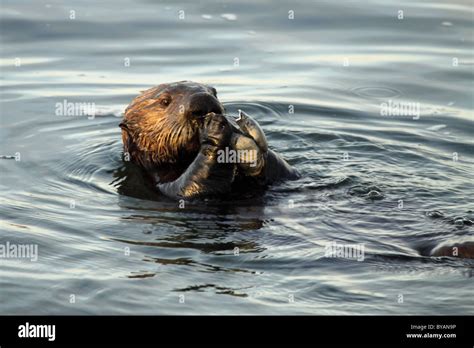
{"points": [[399, 185]]}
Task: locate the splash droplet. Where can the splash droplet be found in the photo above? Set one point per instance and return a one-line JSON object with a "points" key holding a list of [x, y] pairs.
{"points": [[229, 16]]}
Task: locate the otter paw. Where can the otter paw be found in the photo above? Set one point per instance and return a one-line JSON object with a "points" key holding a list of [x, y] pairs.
{"points": [[215, 131]]}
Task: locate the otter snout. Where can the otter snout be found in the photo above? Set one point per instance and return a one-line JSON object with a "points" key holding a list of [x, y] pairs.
{"points": [[200, 104]]}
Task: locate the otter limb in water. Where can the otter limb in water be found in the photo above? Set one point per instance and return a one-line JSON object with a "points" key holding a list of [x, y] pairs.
{"points": [[178, 133]]}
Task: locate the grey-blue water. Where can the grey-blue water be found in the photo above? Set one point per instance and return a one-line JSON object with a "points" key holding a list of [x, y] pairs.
{"points": [[319, 84]]}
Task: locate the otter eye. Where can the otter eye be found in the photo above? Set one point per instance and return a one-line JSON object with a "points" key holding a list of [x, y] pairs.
{"points": [[165, 101]]}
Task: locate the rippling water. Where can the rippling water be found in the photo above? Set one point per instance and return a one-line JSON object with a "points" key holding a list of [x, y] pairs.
{"points": [[317, 83]]}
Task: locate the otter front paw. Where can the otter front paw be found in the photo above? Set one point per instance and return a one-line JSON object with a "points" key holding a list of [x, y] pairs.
{"points": [[215, 131]]}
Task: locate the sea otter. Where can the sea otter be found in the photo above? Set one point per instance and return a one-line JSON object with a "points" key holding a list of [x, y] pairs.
{"points": [[179, 134]]}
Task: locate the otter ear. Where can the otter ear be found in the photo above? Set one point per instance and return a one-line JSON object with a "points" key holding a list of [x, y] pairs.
{"points": [[124, 126], [214, 91]]}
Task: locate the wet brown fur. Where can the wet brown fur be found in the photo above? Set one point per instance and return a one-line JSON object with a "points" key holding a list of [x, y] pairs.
{"points": [[156, 135]]}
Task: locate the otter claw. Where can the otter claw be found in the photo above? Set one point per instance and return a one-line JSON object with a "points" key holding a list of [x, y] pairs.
{"points": [[215, 130]]}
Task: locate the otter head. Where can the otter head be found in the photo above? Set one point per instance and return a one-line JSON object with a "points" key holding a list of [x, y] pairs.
{"points": [[161, 125]]}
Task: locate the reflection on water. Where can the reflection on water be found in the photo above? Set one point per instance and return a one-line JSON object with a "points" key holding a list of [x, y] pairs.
{"points": [[400, 186]]}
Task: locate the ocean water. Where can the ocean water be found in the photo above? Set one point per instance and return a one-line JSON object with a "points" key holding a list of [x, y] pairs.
{"points": [[325, 79]]}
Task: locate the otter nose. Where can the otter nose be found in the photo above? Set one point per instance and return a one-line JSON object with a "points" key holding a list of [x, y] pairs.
{"points": [[201, 104]]}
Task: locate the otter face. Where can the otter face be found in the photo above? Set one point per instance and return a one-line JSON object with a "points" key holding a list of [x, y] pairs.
{"points": [[162, 123], [188, 101]]}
